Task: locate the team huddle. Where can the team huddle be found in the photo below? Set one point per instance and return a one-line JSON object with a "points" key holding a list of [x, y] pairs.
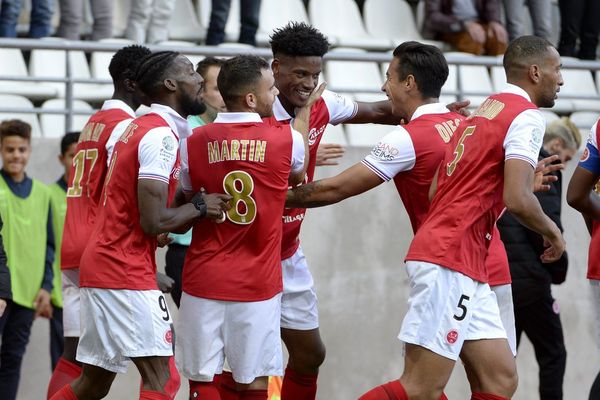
{"points": [[242, 183]]}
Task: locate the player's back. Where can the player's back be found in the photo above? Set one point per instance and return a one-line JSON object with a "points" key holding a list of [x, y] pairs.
{"points": [[468, 200], [239, 260], [86, 182], [121, 254]]}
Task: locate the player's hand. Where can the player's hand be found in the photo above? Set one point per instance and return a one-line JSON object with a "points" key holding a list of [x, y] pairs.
{"points": [[460, 107], [164, 239], [542, 177], [216, 205], [316, 94], [42, 305], [476, 31], [2, 306], [555, 248], [165, 283], [328, 153]]}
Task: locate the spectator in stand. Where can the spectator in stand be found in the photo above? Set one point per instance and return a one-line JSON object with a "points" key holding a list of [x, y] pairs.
{"points": [[149, 21], [39, 24], [579, 20], [536, 311], [472, 26], [541, 16], [249, 11], [71, 17]]}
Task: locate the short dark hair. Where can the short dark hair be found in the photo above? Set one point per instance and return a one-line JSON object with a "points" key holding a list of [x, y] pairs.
{"points": [[152, 70], [125, 62], [426, 63], [68, 140], [15, 127], [523, 52], [238, 75], [298, 39], [208, 62]]}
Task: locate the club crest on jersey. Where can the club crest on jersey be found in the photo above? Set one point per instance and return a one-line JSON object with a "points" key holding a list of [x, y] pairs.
{"points": [[585, 155], [169, 336], [385, 152], [452, 336], [176, 172], [314, 134]]}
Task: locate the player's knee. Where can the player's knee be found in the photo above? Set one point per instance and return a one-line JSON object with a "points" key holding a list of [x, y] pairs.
{"points": [[505, 381], [308, 359]]}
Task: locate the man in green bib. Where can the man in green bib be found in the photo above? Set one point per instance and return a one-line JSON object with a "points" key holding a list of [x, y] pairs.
{"points": [[29, 245], [58, 202]]}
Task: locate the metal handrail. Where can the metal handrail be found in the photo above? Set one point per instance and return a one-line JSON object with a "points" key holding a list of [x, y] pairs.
{"points": [[88, 46]]}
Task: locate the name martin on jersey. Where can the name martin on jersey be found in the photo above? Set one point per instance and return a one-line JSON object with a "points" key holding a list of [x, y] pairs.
{"points": [[233, 149]]}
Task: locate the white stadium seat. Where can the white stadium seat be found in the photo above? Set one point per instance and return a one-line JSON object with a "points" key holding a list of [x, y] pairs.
{"points": [[184, 23], [53, 125], [14, 101], [352, 75], [367, 135], [347, 28], [275, 14], [13, 65], [474, 79], [584, 120]]}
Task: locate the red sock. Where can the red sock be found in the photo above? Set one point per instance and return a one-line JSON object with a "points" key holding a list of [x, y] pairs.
{"points": [[66, 393], [174, 382], [64, 373], [443, 397], [487, 396], [152, 395], [227, 387], [204, 391], [297, 386], [390, 391], [256, 394]]}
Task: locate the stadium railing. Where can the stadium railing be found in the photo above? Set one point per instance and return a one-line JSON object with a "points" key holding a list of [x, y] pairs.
{"points": [[88, 46]]}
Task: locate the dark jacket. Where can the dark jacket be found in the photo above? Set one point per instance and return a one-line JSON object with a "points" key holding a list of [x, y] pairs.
{"points": [[439, 18], [531, 278], [5, 291]]}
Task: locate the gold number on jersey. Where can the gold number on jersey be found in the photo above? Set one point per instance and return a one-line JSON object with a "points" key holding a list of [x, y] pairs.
{"points": [[239, 185], [79, 162], [111, 167], [460, 149]]}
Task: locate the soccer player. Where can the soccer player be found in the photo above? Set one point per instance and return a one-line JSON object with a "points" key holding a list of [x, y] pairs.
{"points": [[582, 195], [230, 306], [298, 51], [86, 179], [29, 245], [124, 315], [491, 160], [58, 201]]}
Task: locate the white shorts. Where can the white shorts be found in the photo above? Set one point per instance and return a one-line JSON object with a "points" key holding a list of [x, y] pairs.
{"points": [[247, 333], [299, 303], [595, 285], [121, 324], [507, 313], [445, 308], [71, 304]]}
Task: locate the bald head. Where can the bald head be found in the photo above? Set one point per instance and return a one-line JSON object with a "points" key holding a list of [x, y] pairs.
{"points": [[522, 53]]}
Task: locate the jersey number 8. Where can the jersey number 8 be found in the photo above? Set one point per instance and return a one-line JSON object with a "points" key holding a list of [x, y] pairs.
{"points": [[239, 185]]}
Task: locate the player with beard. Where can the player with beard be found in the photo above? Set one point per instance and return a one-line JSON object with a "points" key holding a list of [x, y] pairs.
{"points": [[298, 51], [124, 315]]}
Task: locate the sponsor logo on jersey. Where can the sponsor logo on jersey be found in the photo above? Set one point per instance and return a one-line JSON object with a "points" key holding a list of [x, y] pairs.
{"points": [[585, 155], [169, 336], [452, 336], [287, 219], [385, 151], [176, 172], [314, 133]]}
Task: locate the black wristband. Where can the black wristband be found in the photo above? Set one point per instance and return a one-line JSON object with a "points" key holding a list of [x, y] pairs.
{"points": [[199, 204]]}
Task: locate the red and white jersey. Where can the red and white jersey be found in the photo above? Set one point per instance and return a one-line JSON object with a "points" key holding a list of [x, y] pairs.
{"points": [[331, 108], [239, 154], [468, 201], [88, 171], [496, 262], [119, 254], [412, 153]]}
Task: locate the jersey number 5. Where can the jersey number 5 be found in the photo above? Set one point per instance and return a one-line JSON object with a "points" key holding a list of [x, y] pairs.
{"points": [[239, 185], [79, 162], [460, 149]]}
